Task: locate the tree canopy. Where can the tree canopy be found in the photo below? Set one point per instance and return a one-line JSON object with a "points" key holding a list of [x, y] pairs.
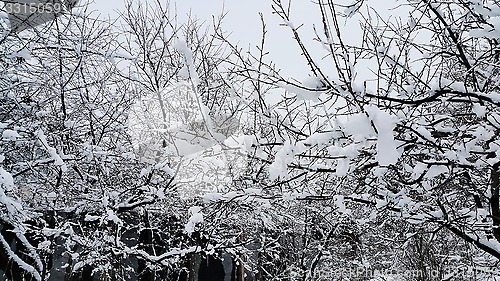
{"points": [[144, 148]]}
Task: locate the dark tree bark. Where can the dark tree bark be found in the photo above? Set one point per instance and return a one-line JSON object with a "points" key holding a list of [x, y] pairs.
{"points": [[11, 268], [211, 269], [495, 202]]}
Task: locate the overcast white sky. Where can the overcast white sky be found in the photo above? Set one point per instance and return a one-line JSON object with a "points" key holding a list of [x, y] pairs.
{"points": [[243, 22]]}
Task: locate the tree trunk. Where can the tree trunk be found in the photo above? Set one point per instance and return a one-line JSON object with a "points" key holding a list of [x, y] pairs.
{"points": [[146, 238], [495, 202]]}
